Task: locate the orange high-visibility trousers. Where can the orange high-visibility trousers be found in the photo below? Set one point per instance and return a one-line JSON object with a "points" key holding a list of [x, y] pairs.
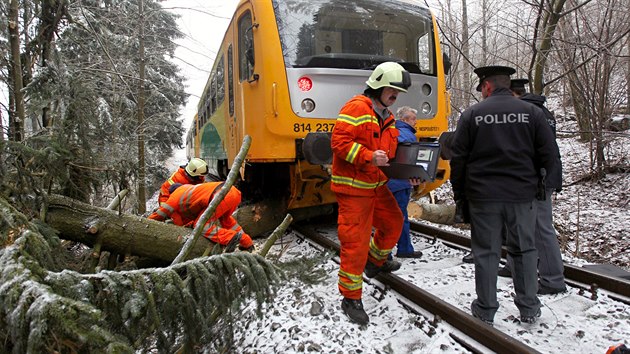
{"points": [[357, 216], [221, 227]]}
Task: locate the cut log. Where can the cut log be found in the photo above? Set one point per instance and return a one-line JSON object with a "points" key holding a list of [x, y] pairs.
{"points": [[437, 213], [120, 233]]}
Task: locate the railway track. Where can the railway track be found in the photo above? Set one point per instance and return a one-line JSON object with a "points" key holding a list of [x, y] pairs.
{"points": [[486, 336]]}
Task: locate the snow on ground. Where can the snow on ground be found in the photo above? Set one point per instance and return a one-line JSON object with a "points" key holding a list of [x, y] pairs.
{"points": [[308, 318], [592, 220]]}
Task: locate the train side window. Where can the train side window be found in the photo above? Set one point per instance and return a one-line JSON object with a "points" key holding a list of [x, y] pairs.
{"points": [[212, 93], [230, 81], [245, 47], [426, 54], [220, 81]]}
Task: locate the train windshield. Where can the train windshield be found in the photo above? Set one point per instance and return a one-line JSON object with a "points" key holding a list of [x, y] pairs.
{"points": [[355, 34]]}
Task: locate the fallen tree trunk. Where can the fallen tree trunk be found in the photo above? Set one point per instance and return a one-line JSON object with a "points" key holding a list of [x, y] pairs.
{"points": [[437, 213], [121, 233], [263, 217]]}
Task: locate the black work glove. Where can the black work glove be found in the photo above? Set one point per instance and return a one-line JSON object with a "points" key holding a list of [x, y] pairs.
{"points": [[249, 249], [462, 214]]}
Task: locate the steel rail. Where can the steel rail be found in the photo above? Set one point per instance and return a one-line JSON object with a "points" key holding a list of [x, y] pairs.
{"points": [[577, 274], [486, 335]]}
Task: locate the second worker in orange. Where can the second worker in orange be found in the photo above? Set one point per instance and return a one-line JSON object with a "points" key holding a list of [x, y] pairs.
{"points": [[187, 202]]}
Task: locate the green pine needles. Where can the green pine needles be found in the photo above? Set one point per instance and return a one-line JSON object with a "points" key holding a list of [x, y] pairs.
{"points": [[184, 307]]}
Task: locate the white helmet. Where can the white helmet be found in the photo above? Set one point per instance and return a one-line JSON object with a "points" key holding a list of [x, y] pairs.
{"points": [[196, 167], [389, 74]]}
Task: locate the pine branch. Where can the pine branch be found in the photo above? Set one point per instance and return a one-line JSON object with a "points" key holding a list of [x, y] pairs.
{"points": [[187, 304]]}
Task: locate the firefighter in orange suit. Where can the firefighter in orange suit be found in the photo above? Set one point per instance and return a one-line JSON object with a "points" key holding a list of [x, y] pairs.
{"points": [[364, 138], [187, 202], [191, 173]]}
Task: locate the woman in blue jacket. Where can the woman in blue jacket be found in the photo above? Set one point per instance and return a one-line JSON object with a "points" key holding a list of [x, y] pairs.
{"points": [[401, 188]]}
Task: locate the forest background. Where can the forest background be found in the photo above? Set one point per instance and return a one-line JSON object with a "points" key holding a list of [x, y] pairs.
{"points": [[92, 94]]}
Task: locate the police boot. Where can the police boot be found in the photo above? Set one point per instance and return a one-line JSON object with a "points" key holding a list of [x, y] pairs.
{"points": [[504, 272], [354, 310]]}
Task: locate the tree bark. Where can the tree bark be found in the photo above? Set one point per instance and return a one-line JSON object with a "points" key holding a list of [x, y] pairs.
{"points": [[121, 233]]}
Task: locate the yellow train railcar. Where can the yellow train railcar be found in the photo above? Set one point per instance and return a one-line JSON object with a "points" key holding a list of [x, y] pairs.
{"points": [[286, 67]]}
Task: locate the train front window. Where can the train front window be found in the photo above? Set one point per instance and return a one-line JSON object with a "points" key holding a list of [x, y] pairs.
{"points": [[355, 34]]}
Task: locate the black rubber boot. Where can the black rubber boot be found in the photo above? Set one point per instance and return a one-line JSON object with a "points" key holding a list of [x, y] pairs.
{"points": [[371, 269], [414, 254], [354, 310]]}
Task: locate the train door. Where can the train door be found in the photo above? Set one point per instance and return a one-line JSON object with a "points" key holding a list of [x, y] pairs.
{"points": [[248, 107]]}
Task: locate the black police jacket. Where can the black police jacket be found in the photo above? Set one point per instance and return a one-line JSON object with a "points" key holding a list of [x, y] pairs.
{"points": [[554, 176], [500, 144]]}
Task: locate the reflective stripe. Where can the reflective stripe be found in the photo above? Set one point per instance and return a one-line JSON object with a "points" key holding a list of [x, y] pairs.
{"points": [[351, 286], [356, 280], [184, 202], [236, 227], [356, 121], [208, 226], [356, 183], [353, 277], [161, 213], [354, 151], [167, 207], [377, 253]]}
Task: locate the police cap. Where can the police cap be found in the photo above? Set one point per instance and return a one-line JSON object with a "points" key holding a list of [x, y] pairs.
{"points": [[485, 72], [518, 83]]}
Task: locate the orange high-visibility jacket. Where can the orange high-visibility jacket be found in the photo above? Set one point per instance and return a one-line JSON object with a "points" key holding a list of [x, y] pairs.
{"points": [[179, 176], [357, 134], [188, 202]]}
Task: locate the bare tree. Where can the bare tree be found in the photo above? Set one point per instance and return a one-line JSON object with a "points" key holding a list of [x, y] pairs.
{"points": [[593, 48]]}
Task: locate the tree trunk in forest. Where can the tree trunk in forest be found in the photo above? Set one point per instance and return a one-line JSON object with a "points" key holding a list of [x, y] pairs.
{"points": [[437, 213], [628, 74], [121, 233], [142, 199], [466, 53], [548, 28], [16, 119]]}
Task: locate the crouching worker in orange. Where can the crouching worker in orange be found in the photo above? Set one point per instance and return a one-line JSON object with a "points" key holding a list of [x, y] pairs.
{"points": [[191, 173], [187, 202], [364, 138]]}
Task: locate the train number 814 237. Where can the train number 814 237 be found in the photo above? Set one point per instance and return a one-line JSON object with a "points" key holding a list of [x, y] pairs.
{"points": [[319, 127]]}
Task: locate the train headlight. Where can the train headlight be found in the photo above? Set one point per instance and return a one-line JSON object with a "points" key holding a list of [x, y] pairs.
{"points": [[426, 108], [308, 105], [426, 89]]}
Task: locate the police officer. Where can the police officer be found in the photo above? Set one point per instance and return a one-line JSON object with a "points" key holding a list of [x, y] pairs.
{"points": [[500, 144], [550, 266]]}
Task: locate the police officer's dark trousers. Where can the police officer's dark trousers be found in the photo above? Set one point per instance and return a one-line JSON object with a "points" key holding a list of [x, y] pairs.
{"points": [[487, 220], [550, 266]]}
